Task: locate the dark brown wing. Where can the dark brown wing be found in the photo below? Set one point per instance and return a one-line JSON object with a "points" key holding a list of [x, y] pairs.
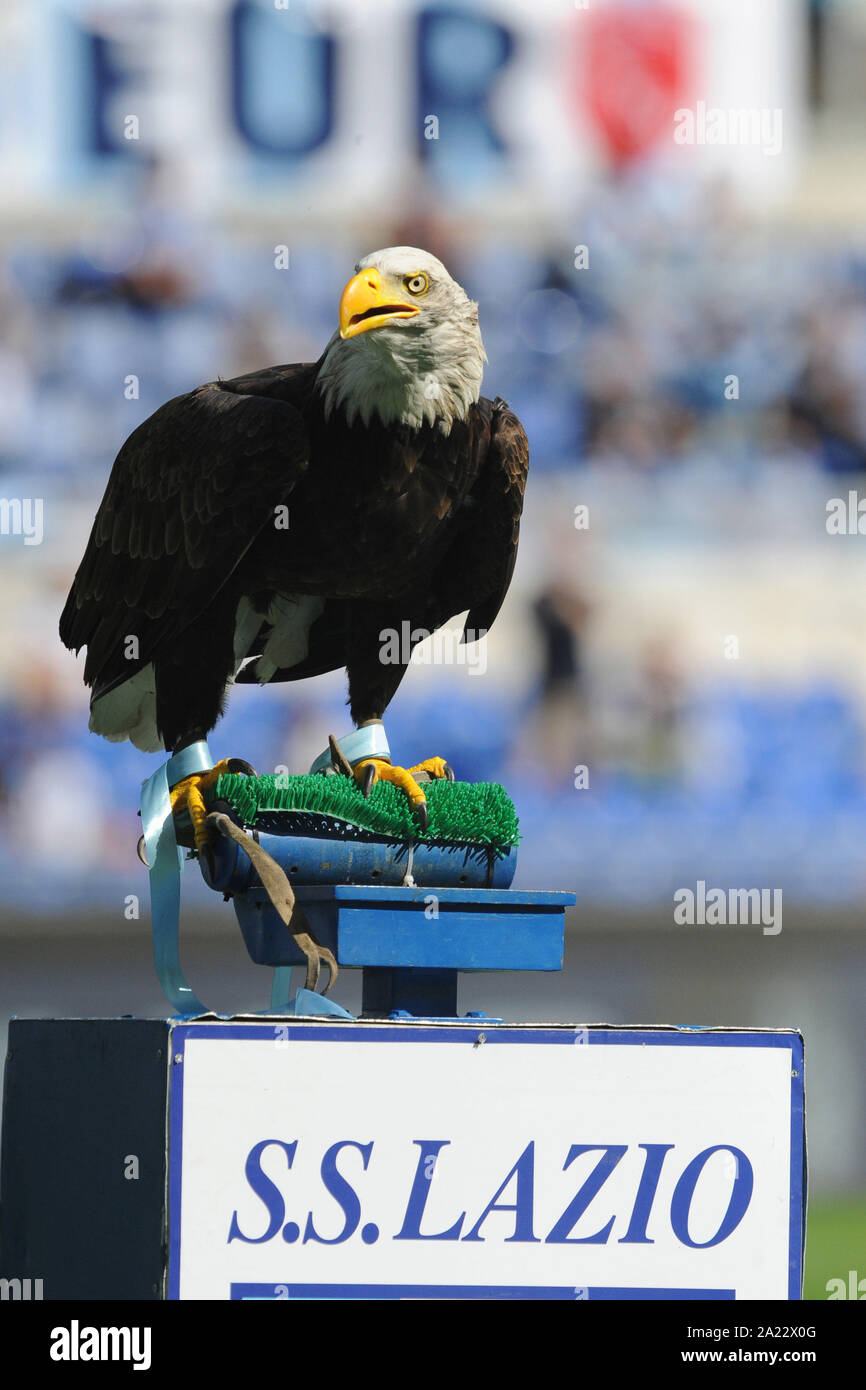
{"points": [[477, 569], [189, 492]]}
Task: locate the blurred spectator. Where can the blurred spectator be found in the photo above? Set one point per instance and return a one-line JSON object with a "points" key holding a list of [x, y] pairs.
{"points": [[658, 754]]}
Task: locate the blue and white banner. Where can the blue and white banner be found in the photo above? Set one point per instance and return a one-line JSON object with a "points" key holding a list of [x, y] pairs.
{"points": [[320, 1160], [244, 104]]}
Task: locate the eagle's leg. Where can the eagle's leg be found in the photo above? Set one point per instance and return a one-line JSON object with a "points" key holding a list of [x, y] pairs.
{"points": [[188, 795], [190, 695], [376, 666]]}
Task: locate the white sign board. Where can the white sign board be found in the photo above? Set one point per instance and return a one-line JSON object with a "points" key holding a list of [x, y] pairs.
{"points": [[322, 1160]]}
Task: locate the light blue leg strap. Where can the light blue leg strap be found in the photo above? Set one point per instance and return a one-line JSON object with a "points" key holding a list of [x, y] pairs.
{"points": [[165, 858], [281, 989], [367, 742]]}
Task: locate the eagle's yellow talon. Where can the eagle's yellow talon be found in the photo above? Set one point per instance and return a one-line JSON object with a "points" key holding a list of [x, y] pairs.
{"points": [[402, 777], [187, 796], [437, 768], [387, 772]]}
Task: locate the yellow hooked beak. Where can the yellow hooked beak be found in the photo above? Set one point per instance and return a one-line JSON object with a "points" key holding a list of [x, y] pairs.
{"points": [[364, 304]]}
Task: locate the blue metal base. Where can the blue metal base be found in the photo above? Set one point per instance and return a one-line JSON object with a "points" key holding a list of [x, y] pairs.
{"points": [[419, 993], [411, 943], [417, 928]]}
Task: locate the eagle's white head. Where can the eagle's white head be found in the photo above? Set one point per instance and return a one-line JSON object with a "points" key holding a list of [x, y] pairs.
{"points": [[408, 348]]}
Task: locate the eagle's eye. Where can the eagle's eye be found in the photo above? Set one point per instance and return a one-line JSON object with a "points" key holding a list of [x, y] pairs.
{"points": [[417, 283]]}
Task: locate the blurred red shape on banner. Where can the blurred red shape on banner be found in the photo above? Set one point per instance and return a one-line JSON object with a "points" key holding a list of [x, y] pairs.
{"points": [[635, 68]]}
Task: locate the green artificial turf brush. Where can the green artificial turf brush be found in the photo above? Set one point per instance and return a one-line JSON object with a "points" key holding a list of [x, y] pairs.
{"points": [[460, 813]]}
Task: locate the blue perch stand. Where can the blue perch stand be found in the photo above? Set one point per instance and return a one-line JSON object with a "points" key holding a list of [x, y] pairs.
{"points": [[412, 943], [411, 939]]}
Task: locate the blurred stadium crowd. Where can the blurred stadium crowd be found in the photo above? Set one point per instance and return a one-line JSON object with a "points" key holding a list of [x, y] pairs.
{"points": [[695, 383]]}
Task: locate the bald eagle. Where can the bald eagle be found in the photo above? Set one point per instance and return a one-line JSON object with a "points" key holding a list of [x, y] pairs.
{"points": [[275, 526]]}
